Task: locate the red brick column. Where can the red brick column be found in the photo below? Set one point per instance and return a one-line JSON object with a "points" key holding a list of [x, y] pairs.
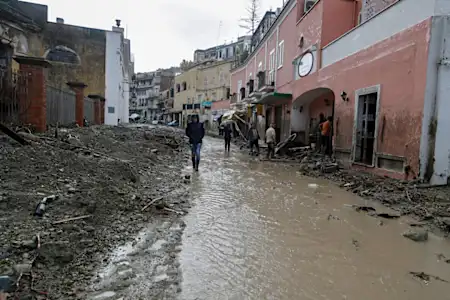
{"points": [[78, 88], [34, 102]]}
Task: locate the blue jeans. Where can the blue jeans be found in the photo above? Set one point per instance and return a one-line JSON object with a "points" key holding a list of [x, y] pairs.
{"points": [[195, 149]]}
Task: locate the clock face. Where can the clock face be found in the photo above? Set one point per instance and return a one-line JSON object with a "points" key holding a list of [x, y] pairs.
{"points": [[306, 64]]}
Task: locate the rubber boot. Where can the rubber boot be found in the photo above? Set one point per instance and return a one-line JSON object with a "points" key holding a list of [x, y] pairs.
{"points": [[196, 165], [193, 163]]}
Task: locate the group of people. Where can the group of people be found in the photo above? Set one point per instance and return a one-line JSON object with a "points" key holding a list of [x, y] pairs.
{"points": [[195, 131], [323, 131], [270, 139]]}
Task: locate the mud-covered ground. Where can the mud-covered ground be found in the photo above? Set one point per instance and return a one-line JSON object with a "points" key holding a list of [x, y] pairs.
{"points": [[104, 175], [430, 206]]}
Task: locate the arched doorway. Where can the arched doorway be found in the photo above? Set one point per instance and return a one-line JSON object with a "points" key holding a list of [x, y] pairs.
{"points": [[306, 110]]}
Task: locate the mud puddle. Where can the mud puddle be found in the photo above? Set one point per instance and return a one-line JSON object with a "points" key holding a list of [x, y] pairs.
{"points": [[262, 231], [145, 268]]}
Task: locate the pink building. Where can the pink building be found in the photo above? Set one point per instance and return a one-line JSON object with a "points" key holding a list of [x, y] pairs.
{"points": [[380, 68]]}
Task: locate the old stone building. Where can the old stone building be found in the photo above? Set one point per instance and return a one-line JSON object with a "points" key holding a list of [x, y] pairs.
{"points": [[77, 55]]}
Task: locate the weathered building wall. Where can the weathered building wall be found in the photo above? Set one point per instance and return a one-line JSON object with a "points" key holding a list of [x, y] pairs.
{"points": [[213, 81], [84, 47], [285, 34], [372, 7], [188, 95], [235, 77], [332, 26], [398, 66]]}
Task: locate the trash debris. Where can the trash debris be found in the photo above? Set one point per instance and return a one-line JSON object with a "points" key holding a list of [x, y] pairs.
{"points": [[426, 278], [416, 235]]}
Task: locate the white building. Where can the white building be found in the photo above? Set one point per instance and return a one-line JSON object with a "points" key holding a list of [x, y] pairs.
{"points": [[117, 76]]}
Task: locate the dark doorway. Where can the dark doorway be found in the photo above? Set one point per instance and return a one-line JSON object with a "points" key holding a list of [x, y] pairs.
{"points": [[268, 117], [278, 121], [365, 128]]}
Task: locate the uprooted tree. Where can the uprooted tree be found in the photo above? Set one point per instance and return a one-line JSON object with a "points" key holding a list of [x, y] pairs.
{"points": [[251, 21]]}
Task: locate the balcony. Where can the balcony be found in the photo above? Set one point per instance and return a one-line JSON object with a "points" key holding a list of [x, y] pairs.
{"points": [[265, 82]]}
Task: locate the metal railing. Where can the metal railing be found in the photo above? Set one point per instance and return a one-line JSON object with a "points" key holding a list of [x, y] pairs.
{"points": [[89, 110], [14, 100]]}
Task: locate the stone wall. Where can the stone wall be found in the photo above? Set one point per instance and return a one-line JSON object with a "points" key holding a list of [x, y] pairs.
{"points": [[372, 7], [77, 54]]}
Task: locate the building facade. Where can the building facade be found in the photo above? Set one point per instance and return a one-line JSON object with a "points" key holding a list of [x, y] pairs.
{"points": [[146, 90], [117, 76], [229, 51], [197, 89], [379, 70]]}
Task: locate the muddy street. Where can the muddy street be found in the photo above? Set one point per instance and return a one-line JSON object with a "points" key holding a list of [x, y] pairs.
{"points": [[259, 230]]}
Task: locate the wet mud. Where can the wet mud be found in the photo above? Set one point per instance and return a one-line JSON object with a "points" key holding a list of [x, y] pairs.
{"points": [[259, 230]]}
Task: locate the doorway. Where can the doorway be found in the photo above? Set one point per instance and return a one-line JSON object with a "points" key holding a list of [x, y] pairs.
{"points": [[366, 120], [278, 121]]}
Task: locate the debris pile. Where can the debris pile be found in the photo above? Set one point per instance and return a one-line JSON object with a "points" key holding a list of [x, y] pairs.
{"points": [[66, 201]]}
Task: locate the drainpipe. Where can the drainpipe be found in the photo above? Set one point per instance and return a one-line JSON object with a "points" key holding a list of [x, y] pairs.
{"points": [[276, 58]]}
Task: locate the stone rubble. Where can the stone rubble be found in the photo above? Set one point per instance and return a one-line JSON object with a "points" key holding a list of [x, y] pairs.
{"points": [[105, 173]]}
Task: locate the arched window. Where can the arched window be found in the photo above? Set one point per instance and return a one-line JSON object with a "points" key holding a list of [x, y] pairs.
{"points": [[63, 54]]}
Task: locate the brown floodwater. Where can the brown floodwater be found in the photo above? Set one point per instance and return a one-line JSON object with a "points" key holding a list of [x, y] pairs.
{"points": [[260, 230]]}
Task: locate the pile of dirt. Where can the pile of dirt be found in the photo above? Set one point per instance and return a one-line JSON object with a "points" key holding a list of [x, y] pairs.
{"points": [[429, 205], [99, 182]]}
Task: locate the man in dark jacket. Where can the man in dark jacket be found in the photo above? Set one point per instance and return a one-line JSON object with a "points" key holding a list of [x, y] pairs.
{"points": [[253, 139], [195, 132], [227, 131]]}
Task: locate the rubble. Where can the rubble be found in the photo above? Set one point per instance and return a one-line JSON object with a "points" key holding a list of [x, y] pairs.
{"points": [[98, 178], [429, 205]]}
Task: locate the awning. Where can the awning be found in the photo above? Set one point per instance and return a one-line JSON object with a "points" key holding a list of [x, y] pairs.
{"points": [[274, 98]]}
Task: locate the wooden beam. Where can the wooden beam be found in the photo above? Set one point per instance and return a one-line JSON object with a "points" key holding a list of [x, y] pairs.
{"points": [[13, 135]]}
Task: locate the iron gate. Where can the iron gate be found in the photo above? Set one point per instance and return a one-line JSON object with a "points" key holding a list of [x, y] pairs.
{"points": [[14, 100]]}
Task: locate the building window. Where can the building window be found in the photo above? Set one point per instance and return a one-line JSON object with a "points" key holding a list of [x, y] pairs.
{"points": [[178, 87], [272, 66], [63, 54], [260, 66], [280, 54], [184, 86], [111, 109], [239, 86]]}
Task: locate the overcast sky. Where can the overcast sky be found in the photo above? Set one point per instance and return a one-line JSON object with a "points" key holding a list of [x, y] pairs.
{"points": [[162, 32]]}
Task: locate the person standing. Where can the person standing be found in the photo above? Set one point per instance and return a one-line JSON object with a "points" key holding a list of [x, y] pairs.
{"points": [[318, 132], [195, 132], [253, 138], [227, 136], [326, 136], [271, 137]]}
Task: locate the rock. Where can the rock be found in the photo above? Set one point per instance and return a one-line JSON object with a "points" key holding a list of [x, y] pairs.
{"points": [[446, 221], [416, 235], [89, 228], [56, 252], [330, 168], [71, 190], [154, 150], [22, 268]]}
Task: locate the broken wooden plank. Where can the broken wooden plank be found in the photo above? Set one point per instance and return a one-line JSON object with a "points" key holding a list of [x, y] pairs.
{"points": [[151, 202], [13, 135], [71, 219]]}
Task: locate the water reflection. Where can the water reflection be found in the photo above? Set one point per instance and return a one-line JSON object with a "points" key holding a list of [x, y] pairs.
{"points": [[258, 231]]}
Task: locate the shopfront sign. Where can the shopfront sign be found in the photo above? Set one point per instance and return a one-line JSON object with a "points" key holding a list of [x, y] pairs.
{"points": [[305, 64]]}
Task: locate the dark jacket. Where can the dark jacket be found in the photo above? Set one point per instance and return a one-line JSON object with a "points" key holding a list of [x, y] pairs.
{"points": [[251, 136], [195, 132], [227, 131]]}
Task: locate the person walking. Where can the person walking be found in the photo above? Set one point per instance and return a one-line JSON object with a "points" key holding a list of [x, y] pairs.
{"points": [[227, 136], [253, 138], [271, 137], [195, 132]]}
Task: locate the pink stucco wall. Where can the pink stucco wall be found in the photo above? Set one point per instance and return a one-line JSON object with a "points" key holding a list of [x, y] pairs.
{"points": [[398, 65], [260, 57], [223, 104], [237, 75], [338, 17], [286, 32]]}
